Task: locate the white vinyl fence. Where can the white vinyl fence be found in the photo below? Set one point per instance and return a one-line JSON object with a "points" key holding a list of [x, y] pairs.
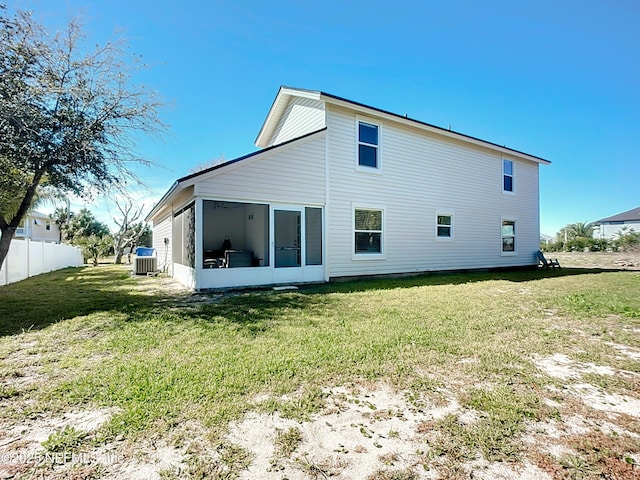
{"points": [[27, 258]]}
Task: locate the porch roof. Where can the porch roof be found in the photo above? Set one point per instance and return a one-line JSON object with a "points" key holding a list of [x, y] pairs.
{"points": [[188, 180]]}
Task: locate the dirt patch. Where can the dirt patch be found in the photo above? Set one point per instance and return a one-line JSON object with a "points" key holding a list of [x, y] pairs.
{"points": [[604, 260], [22, 444], [363, 432], [563, 368], [360, 432]]}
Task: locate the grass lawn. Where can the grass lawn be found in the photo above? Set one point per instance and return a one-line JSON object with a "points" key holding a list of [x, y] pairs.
{"points": [[487, 368]]}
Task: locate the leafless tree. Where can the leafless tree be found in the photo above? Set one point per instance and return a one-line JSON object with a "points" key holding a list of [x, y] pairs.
{"points": [[130, 229]]}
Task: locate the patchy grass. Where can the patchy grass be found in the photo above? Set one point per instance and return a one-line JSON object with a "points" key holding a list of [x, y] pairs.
{"points": [[67, 439], [287, 441], [97, 338]]}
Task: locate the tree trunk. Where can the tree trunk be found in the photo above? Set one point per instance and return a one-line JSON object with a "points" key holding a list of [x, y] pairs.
{"points": [[5, 242], [8, 229], [119, 253]]}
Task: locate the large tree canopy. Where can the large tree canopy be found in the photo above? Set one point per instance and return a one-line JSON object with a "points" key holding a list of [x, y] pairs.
{"points": [[69, 115]]}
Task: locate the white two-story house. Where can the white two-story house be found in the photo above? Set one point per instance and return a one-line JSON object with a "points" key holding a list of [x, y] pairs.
{"points": [[342, 189], [38, 227]]}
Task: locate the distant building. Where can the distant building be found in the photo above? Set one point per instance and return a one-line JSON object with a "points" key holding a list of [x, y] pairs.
{"points": [[546, 239], [38, 226], [608, 227]]}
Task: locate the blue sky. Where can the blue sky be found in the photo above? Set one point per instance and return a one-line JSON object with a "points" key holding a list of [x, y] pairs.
{"points": [[556, 79]]}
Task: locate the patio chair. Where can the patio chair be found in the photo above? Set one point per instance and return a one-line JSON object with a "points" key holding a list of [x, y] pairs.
{"points": [[547, 263]]}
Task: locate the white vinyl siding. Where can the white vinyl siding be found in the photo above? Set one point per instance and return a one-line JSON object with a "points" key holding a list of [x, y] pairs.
{"points": [[302, 116], [423, 171], [292, 174], [162, 229]]}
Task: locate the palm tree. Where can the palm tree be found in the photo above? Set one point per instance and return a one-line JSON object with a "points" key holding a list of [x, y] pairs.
{"points": [[579, 230], [62, 216], [624, 231]]}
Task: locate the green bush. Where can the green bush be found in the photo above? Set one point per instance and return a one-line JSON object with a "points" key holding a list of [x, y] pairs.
{"points": [[626, 239]]}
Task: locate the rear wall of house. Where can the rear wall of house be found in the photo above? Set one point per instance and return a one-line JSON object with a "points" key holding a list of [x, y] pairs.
{"points": [[421, 176]]}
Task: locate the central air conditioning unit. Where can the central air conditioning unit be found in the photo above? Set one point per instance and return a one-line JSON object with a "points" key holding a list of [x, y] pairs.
{"points": [[145, 265]]}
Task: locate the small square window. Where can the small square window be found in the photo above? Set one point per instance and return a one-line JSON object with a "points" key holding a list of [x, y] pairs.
{"points": [[367, 145], [507, 175], [444, 226]]}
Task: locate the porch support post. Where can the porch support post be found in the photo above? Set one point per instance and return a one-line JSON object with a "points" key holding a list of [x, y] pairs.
{"points": [[198, 246]]}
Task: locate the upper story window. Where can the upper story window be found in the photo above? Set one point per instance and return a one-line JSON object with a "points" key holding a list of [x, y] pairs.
{"points": [[507, 175], [368, 145], [444, 226], [368, 231], [47, 225]]}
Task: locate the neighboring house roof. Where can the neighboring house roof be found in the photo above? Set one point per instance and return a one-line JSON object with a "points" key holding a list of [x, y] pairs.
{"points": [[188, 180], [38, 217], [285, 93], [632, 215]]}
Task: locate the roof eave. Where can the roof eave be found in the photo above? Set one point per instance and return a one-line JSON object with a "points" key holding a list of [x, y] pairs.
{"points": [[156, 208], [332, 99]]}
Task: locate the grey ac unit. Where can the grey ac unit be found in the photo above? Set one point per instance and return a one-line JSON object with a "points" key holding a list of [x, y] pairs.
{"points": [[145, 265]]}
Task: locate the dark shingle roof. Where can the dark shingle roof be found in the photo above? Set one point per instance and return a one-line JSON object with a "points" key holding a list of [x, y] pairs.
{"points": [[628, 216]]}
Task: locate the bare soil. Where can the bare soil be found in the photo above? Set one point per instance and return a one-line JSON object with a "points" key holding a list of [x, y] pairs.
{"points": [[603, 260]]}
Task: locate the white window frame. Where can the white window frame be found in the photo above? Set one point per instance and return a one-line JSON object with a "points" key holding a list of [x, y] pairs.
{"points": [[364, 168], [515, 236], [444, 213], [368, 256], [513, 176]]}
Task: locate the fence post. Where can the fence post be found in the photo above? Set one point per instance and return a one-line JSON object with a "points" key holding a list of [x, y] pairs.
{"points": [[28, 257], [6, 270]]}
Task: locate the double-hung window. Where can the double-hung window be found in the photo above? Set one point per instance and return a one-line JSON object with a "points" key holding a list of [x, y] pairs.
{"points": [[368, 145], [368, 231], [507, 175], [444, 226], [508, 236]]}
